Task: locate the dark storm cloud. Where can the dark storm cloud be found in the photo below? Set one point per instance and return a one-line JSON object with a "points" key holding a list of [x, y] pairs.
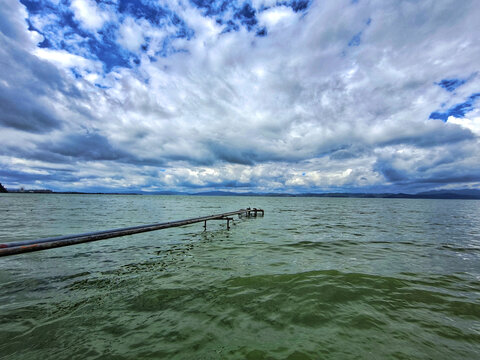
{"points": [[441, 136], [448, 178], [390, 172], [89, 146], [224, 152], [25, 82], [25, 113], [19, 176]]}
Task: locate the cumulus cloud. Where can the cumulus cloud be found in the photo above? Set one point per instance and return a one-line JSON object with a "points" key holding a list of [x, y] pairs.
{"points": [[302, 96], [278, 17], [470, 122], [130, 35], [89, 14]]}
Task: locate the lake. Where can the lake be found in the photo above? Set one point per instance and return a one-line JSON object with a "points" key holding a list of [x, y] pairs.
{"points": [[315, 278]]}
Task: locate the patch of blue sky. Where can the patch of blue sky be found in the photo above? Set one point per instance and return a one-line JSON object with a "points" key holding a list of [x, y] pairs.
{"points": [[167, 48], [262, 32], [236, 14], [458, 110], [355, 40], [182, 29], [451, 84], [143, 9], [296, 5], [36, 6], [107, 50], [101, 86], [247, 16], [228, 25], [76, 74], [63, 32], [214, 8], [156, 14], [231, 14], [60, 31]]}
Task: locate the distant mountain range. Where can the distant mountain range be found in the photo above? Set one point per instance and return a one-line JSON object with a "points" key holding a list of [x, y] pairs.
{"points": [[436, 194]]}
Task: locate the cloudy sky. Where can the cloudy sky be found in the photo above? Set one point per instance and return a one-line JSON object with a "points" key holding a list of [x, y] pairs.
{"points": [[260, 95]]}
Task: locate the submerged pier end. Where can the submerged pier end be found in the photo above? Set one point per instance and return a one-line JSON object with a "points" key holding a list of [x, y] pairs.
{"points": [[19, 247]]}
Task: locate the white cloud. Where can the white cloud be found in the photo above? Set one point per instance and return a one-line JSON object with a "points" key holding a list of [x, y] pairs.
{"points": [[90, 16], [14, 26], [130, 35], [278, 17], [65, 60], [471, 122]]}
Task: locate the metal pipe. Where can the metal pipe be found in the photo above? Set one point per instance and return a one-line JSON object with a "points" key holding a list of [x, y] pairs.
{"points": [[18, 247]]}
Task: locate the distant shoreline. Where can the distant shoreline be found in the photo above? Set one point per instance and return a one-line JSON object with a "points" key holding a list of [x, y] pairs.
{"points": [[452, 194]]}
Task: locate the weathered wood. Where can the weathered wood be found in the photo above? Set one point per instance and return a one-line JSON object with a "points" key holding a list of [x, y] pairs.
{"points": [[18, 247]]}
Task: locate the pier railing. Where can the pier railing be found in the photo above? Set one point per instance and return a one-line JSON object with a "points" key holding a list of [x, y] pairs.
{"points": [[19, 247]]}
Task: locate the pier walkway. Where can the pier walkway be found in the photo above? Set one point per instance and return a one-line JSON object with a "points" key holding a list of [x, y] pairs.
{"points": [[19, 247]]}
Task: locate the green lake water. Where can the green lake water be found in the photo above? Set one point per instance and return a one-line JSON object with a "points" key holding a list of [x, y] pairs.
{"points": [[315, 278]]}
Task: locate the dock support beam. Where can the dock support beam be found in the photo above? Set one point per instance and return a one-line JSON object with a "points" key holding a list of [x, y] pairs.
{"points": [[254, 211], [222, 218]]}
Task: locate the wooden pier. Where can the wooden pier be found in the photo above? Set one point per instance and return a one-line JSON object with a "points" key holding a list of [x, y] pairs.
{"points": [[19, 247]]}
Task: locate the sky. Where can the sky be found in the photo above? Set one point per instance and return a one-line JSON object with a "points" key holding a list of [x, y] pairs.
{"points": [[265, 96]]}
